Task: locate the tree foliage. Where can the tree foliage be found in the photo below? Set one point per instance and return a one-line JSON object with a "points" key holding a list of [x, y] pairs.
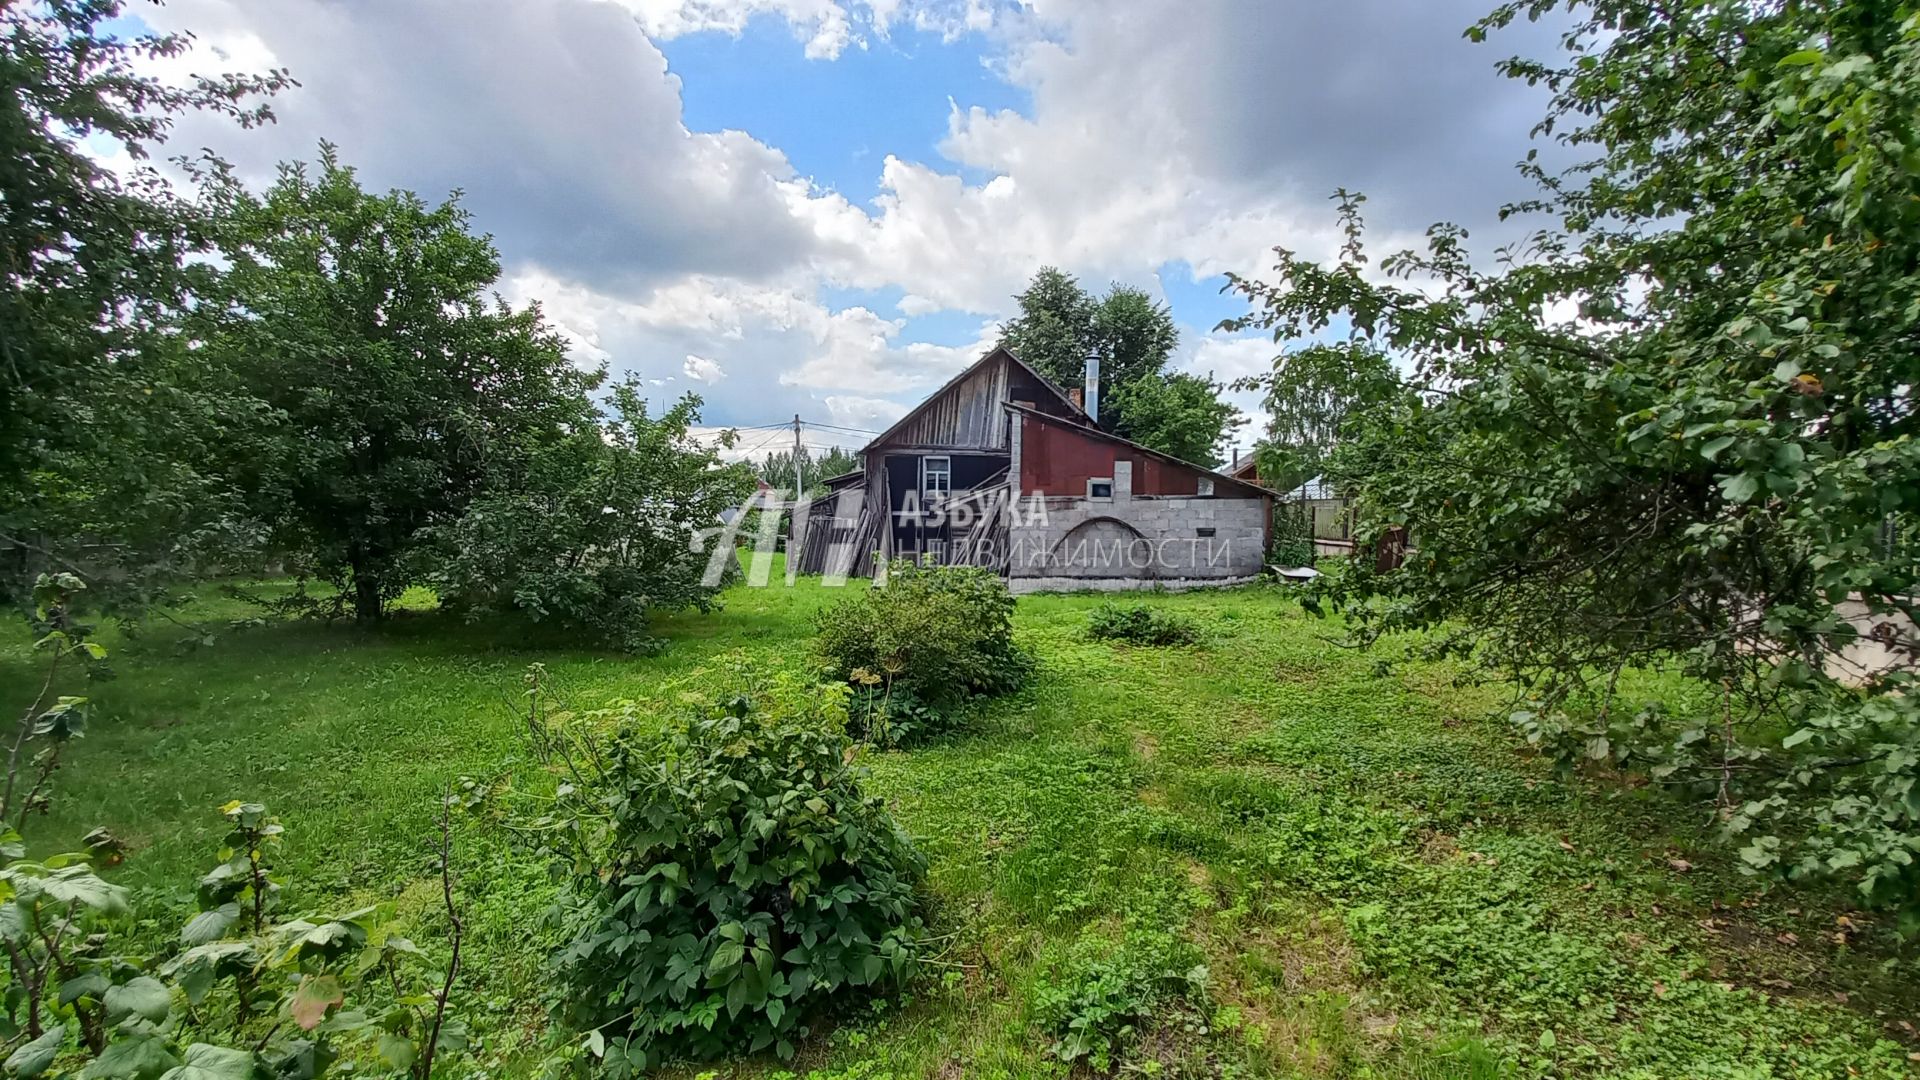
{"points": [[1676, 424], [1054, 329], [99, 399], [600, 531], [399, 385], [1060, 325], [1308, 396], [1179, 414]]}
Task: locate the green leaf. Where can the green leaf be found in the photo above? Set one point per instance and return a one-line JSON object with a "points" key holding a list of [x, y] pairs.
{"points": [[33, 1058], [453, 1037], [1740, 487], [210, 925], [397, 1051], [90, 984], [205, 1062], [81, 887], [728, 955], [1712, 448], [139, 1057], [1802, 58], [143, 996]]}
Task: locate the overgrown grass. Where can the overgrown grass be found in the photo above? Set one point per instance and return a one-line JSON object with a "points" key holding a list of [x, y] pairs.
{"points": [[1375, 881]]}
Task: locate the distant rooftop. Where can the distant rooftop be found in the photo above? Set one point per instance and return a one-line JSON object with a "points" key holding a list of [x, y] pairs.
{"points": [[1316, 488]]}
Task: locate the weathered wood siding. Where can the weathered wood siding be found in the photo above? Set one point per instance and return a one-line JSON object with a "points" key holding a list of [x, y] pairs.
{"points": [[964, 416]]}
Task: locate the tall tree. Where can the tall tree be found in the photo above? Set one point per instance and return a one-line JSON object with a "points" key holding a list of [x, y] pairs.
{"points": [[1134, 336], [96, 394], [1060, 325], [1180, 414], [402, 385], [1054, 329], [1717, 464], [1309, 395]]}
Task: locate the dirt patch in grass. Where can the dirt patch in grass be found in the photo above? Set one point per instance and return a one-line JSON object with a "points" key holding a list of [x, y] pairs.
{"points": [[1145, 746], [1438, 847], [1298, 668]]}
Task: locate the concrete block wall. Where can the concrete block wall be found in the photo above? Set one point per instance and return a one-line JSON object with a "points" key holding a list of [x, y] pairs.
{"points": [[1134, 542]]}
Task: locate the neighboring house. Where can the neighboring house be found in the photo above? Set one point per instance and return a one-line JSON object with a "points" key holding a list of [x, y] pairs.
{"points": [[1245, 467], [1329, 516], [1002, 468]]}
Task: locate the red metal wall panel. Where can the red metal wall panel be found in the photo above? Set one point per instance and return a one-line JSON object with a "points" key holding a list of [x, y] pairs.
{"points": [[1059, 459]]}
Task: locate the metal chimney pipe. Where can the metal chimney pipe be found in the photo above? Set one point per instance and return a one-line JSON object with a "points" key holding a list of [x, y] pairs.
{"points": [[1093, 386]]}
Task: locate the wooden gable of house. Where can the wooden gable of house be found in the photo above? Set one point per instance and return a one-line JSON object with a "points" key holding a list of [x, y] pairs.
{"points": [[969, 413]]}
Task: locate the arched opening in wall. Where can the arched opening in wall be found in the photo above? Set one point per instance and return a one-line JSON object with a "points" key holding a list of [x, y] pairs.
{"points": [[1103, 547]]}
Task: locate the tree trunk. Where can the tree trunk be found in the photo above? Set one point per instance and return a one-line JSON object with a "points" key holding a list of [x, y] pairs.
{"points": [[367, 607], [366, 599]]}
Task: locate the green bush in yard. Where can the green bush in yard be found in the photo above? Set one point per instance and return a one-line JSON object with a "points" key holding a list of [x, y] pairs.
{"points": [[1292, 536], [1140, 624], [920, 645], [1095, 1002], [739, 880]]}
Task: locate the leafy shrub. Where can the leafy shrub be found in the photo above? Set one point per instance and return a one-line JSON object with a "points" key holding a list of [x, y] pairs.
{"points": [[1140, 624], [265, 1001], [941, 634], [888, 715], [603, 531], [742, 880], [1292, 536], [1291, 553], [276, 990], [1094, 1003]]}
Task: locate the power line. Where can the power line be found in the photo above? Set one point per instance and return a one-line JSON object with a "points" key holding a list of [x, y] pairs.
{"points": [[763, 444], [787, 425]]}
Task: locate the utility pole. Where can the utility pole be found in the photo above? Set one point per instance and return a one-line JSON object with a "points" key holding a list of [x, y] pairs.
{"points": [[798, 488], [795, 537]]}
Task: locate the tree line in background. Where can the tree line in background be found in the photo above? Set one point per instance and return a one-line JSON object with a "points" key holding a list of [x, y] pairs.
{"points": [[1673, 426], [776, 469], [313, 373], [1061, 324]]}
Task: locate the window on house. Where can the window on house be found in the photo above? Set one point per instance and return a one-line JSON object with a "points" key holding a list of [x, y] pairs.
{"points": [[1206, 485], [1204, 530], [936, 475], [1099, 489]]}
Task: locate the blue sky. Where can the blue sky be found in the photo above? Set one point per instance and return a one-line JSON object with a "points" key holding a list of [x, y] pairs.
{"points": [[836, 121], [826, 206]]}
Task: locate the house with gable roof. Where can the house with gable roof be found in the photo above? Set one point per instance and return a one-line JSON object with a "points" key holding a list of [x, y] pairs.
{"points": [[1003, 468]]}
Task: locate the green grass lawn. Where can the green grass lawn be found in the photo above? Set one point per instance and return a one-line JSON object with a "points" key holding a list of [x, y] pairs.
{"points": [[1379, 882]]}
